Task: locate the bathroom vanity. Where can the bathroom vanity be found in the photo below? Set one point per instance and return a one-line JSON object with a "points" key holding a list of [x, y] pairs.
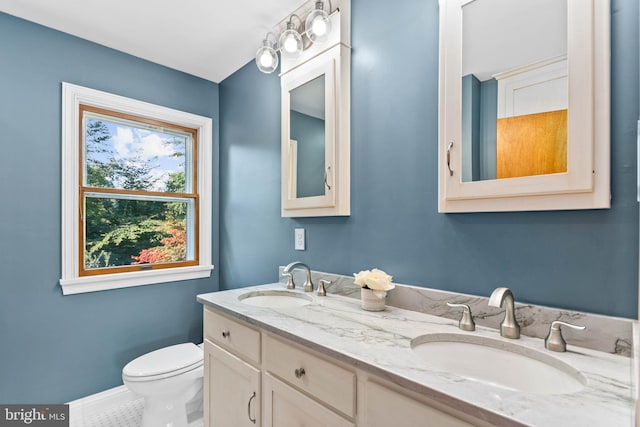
{"points": [[309, 360]]}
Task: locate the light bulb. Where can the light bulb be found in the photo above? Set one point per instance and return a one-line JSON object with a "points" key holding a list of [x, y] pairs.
{"points": [[266, 57], [266, 60], [290, 44], [319, 27]]}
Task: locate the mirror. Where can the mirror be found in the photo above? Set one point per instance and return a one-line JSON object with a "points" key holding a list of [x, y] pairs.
{"points": [[514, 88], [524, 105], [307, 137]]}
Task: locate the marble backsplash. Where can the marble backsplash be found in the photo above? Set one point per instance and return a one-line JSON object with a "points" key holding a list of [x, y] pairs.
{"points": [[603, 333]]}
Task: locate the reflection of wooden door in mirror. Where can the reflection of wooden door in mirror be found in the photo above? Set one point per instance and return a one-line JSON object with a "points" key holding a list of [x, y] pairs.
{"points": [[533, 144]]}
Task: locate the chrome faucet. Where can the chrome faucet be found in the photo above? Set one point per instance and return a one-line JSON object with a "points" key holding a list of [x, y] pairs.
{"points": [[509, 327], [288, 271]]}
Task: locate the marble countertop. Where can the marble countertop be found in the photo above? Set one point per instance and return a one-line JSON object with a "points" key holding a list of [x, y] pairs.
{"points": [[380, 343]]}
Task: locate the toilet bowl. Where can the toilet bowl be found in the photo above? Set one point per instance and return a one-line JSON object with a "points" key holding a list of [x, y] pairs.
{"points": [[167, 379]]}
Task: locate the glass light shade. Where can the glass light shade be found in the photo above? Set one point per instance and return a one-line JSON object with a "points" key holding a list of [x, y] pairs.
{"points": [[267, 58], [290, 42], [318, 24]]}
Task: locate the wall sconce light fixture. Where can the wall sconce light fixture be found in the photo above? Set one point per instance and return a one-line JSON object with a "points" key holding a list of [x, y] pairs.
{"points": [[317, 27]]}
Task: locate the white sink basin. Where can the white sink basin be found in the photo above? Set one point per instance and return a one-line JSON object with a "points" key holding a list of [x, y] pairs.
{"points": [[275, 299], [498, 362]]}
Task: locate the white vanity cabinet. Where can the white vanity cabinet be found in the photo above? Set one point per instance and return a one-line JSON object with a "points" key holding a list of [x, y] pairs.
{"points": [[232, 394], [254, 378]]}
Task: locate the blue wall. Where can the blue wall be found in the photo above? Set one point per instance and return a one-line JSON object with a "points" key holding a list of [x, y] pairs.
{"points": [[479, 128], [583, 260], [56, 348], [470, 128], [488, 129]]}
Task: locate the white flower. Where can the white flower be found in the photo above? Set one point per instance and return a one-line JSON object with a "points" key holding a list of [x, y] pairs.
{"points": [[375, 279]]}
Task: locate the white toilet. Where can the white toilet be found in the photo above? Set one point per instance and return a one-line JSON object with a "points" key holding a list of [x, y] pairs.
{"points": [[167, 378]]}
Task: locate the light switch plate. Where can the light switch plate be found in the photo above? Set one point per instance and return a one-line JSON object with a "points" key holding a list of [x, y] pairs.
{"points": [[299, 239]]}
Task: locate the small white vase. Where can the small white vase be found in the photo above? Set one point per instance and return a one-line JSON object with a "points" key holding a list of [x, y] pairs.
{"points": [[371, 301]]}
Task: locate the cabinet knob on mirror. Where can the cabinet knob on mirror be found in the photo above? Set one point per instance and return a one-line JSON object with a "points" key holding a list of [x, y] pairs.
{"points": [[226, 334], [555, 341], [299, 373], [466, 321]]}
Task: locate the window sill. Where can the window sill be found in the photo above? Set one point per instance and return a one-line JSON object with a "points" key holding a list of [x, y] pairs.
{"points": [[79, 285]]}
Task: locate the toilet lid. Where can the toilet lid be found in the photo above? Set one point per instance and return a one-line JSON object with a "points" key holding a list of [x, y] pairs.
{"points": [[165, 360]]}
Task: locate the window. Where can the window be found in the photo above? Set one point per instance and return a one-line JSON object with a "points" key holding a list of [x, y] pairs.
{"points": [[136, 193]]}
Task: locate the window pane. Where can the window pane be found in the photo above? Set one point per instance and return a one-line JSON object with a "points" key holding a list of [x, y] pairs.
{"points": [[129, 155], [125, 231]]}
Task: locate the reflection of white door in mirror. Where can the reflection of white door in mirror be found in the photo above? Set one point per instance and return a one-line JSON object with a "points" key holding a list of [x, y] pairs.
{"points": [[524, 105], [293, 166], [315, 130]]}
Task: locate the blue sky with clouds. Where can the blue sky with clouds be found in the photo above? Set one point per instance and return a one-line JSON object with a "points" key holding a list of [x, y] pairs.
{"points": [[133, 144]]}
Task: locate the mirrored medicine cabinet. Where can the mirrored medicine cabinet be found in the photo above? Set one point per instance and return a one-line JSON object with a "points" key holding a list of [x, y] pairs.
{"points": [[523, 105], [315, 102]]}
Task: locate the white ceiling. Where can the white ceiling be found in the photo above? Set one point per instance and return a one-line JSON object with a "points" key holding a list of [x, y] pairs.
{"points": [[309, 98], [207, 38], [500, 35]]}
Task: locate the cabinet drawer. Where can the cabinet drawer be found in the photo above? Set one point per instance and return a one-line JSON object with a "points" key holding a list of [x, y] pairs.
{"points": [[287, 407], [329, 383], [232, 335]]}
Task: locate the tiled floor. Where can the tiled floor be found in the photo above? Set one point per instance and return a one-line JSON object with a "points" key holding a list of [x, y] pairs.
{"points": [[125, 415], [129, 414]]}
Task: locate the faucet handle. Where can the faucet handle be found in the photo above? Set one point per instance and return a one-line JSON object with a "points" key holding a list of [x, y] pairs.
{"points": [[290, 283], [308, 284], [555, 341], [466, 321], [322, 292]]}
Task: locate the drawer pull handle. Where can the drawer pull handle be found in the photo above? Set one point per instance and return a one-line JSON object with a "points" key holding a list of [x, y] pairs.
{"points": [[253, 420], [299, 372], [225, 334]]}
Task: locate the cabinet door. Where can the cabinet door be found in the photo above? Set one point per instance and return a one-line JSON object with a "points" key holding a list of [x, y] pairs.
{"points": [[232, 390], [384, 407], [287, 407], [315, 136]]}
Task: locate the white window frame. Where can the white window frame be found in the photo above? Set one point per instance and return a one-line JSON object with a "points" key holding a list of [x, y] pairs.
{"points": [[71, 282]]}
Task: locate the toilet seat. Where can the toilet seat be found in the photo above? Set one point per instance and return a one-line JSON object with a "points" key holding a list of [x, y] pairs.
{"points": [[164, 363]]}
